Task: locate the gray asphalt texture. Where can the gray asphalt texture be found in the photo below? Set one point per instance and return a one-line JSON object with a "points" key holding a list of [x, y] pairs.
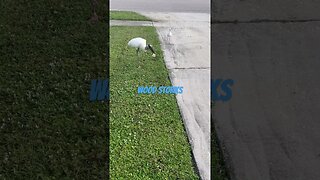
{"points": [[202, 6], [270, 129]]}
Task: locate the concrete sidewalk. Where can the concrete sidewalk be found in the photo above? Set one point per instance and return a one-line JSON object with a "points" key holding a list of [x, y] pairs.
{"points": [[202, 6], [187, 57]]}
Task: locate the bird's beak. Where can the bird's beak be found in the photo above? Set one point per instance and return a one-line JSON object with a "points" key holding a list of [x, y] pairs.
{"points": [[151, 49]]}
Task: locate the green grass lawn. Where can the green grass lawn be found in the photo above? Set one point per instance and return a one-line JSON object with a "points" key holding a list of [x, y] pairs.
{"points": [[127, 15], [48, 128], [147, 137]]}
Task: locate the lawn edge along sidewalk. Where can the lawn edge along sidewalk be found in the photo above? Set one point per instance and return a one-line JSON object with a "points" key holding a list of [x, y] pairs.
{"points": [[184, 157], [195, 76], [130, 23], [127, 15]]}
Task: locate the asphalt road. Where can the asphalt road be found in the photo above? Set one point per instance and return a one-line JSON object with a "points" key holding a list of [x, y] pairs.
{"points": [[162, 5], [270, 129]]}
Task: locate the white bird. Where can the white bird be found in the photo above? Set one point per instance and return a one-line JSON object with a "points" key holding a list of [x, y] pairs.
{"points": [[141, 44], [169, 35]]}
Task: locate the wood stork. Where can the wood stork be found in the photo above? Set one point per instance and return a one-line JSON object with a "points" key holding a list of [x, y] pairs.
{"points": [[141, 44]]}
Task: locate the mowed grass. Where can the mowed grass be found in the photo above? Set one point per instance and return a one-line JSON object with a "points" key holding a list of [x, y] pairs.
{"points": [[49, 53], [147, 137], [127, 15]]}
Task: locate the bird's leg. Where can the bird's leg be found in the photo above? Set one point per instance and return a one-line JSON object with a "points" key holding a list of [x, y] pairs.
{"points": [[138, 57]]}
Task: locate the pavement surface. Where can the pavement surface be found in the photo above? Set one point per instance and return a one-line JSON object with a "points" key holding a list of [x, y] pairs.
{"points": [[161, 5], [270, 129], [187, 58], [130, 23], [253, 10]]}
